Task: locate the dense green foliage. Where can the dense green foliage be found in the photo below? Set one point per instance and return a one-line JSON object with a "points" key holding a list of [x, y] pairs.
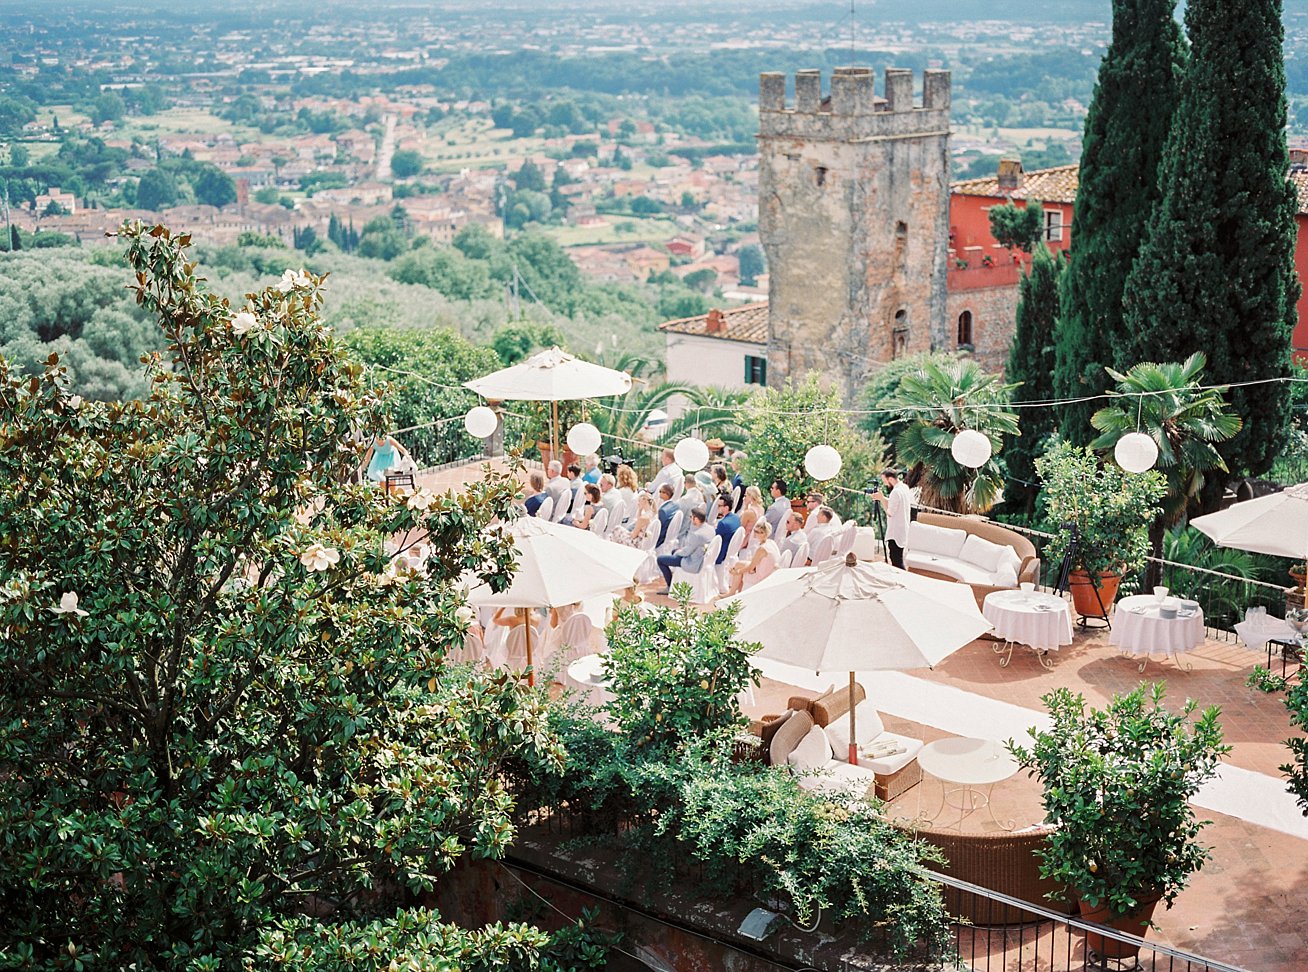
{"points": [[420, 373], [782, 424], [932, 404], [1018, 227], [248, 717], [1031, 369], [1134, 100], [1105, 510], [1216, 272], [70, 305], [1117, 786]]}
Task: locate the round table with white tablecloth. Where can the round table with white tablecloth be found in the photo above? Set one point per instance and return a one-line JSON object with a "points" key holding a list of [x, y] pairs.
{"points": [[1140, 629], [586, 677], [1041, 621]]}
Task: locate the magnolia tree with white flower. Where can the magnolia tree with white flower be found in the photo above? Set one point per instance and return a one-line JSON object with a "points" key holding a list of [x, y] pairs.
{"points": [[228, 736]]}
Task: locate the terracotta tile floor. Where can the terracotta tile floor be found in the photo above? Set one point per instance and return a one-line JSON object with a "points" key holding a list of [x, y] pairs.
{"points": [[1244, 907]]}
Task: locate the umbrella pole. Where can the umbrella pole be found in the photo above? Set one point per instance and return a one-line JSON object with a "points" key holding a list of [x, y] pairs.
{"points": [[554, 430], [531, 674], [853, 735]]}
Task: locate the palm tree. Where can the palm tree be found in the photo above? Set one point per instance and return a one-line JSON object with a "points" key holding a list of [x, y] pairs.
{"points": [[1167, 403], [934, 403]]}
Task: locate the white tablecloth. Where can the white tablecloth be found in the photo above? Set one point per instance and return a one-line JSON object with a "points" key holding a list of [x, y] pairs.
{"points": [[586, 676], [1138, 629], [1039, 620], [1255, 634]]}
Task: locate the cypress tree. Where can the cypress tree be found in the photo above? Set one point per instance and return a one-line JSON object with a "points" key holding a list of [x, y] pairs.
{"points": [[1216, 272], [1031, 361], [1125, 129]]}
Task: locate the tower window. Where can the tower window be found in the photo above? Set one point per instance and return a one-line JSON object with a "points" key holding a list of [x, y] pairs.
{"points": [[899, 336], [901, 242], [820, 174], [965, 328], [1053, 225]]}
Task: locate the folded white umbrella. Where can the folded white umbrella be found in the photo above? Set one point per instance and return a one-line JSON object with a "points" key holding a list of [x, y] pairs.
{"points": [[1276, 524], [857, 617], [559, 565]]}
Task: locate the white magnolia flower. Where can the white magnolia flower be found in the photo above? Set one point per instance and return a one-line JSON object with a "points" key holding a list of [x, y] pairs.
{"points": [[292, 279], [464, 613], [68, 605], [422, 499], [318, 557], [243, 323], [75, 401]]}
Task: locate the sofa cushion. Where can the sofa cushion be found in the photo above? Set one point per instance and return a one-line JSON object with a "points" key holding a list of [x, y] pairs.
{"points": [[986, 555], [885, 765], [812, 752], [867, 724], [835, 703], [935, 540], [770, 728], [959, 570], [788, 737], [1005, 576]]}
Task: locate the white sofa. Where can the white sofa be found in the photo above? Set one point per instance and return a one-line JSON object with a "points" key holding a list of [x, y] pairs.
{"points": [[978, 552], [820, 758]]}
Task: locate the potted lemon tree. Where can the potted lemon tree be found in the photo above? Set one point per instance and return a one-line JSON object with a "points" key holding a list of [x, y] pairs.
{"points": [[1117, 787], [1101, 513]]}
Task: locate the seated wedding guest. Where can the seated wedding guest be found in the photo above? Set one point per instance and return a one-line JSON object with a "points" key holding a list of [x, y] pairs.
{"points": [[581, 518], [762, 562], [535, 492], [634, 532]]}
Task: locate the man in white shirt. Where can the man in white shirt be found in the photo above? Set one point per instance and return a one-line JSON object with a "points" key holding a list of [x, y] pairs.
{"points": [[793, 534], [557, 486], [898, 513], [776, 513], [821, 523], [668, 475], [611, 498]]}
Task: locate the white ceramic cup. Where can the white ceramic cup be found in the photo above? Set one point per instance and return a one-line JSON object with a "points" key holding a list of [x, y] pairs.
{"points": [[1027, 586], [1159, 594]]}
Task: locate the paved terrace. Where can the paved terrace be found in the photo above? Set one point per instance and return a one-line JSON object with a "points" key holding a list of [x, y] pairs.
{"points": [[1244, 907]]}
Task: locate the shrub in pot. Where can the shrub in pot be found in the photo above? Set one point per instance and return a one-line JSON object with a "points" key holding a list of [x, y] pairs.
{"points": [[1106, 510], [1117, 787]]}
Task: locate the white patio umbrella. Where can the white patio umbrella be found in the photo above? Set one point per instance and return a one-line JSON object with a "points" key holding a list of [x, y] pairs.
{"points": [[559, 565], [554, 376], [1276, 524], [857, 617]]}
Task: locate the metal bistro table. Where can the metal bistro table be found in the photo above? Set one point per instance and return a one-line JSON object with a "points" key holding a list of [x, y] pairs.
{"points": [[1040, 621], [1139, 629], [969, 764]]}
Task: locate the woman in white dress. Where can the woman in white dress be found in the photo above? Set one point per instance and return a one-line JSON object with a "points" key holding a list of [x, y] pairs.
{"points": [[628, 486], [762, 562], [632, 534]]}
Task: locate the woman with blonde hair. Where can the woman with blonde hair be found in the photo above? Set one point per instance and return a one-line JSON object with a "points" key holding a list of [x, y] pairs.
{"points": [[747, 572], [632, 534]]}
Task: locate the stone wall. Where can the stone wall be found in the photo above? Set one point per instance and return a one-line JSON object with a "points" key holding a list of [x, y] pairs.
{"points": [[994, 314], [854, 218]]}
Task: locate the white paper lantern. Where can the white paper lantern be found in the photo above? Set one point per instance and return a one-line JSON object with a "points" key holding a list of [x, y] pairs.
{"points": [[481, 422], [823, 462], [691, 454], [583, 438], [1136, 452], [971, 449]]}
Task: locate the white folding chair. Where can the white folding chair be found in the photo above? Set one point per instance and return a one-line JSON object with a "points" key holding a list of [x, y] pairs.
{"points": [[786, 559], [578, 636], [678, 487], [674, 531], [599, 523], [737, 493], [562, 506], [649, 570], [703, 583], [825, 546], [845, 542], [800, 557], [733, 550], [546, 509]]}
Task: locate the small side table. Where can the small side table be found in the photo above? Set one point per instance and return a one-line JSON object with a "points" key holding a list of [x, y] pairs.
{"points": [[969, 764], [1290, 651]]}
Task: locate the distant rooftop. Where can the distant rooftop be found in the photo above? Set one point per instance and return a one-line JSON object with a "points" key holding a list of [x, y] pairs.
{"points": [[1045, 185], [748, 323]]}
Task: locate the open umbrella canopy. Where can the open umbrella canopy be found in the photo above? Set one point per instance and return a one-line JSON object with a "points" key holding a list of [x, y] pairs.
{"points": [[1275, 524], [560, 565], [551, 375], [857, 617]]}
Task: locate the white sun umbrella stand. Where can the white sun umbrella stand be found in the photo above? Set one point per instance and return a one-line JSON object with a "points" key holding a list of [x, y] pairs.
{"points": [[551, 375], [1276, 524], [857, 617], [558, 565]]}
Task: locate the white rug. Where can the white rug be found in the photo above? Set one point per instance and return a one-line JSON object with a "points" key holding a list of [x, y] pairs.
{"points": [[1255, 797]]}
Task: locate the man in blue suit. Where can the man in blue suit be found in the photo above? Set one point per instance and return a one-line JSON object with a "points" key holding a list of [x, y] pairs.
{"points": [[667, 510], [728, 524], [689, 553]]}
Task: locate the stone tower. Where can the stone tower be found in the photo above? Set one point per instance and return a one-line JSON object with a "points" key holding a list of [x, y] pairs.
{"points": [[854, 219]]}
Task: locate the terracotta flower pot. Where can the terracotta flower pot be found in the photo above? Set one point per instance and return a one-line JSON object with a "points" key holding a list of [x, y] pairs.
{"points": [[1083, 593], [1136, 923]]}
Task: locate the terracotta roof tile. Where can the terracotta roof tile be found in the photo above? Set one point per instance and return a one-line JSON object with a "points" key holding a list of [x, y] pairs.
{"points": [[748, 323], [1047, 185], [1300, 180]]}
